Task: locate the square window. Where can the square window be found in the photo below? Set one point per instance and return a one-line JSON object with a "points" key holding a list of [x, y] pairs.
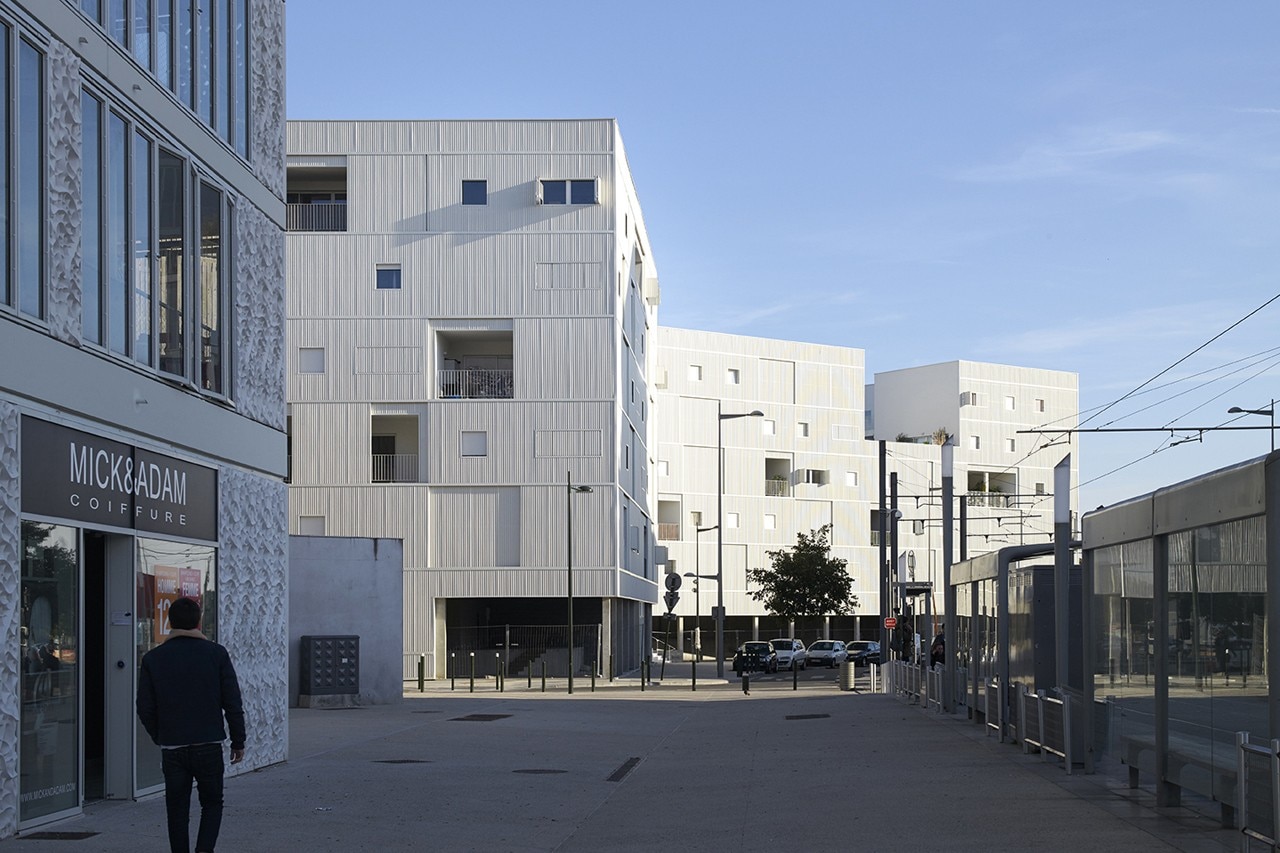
{"points": [[851, 478], [582, 191], [770, 521], [695, 372], [311, 359], [975, 443], [555, 192], [1009, 404], [664, 468], [475, 443], [802, 429], [388, 277], [733, 376], [768, 427], [1011, 445], [1039, 405], [696, 518], [1039, 488], [475, 192], [311, 525], [731, 520]]}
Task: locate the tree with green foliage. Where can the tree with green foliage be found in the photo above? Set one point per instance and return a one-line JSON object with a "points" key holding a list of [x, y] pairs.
{"points": [[805, 580]]}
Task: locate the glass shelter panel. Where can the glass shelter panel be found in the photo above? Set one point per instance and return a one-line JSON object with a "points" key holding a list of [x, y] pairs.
{"points": [[1124, 637], [49, 746]]}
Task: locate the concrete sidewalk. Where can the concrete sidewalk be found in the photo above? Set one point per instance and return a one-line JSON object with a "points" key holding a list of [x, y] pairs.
{"points": [[621, 770]]}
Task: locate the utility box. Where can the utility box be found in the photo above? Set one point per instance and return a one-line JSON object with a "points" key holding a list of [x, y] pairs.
{"points": [[330, 668]]}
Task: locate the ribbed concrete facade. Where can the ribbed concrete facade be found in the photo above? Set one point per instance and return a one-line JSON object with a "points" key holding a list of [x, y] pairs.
{"points": [[461, 341]]}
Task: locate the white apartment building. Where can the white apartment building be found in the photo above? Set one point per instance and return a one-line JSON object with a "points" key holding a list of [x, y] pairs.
{"points": [[142, 443], [812, 459], [470, 319]]}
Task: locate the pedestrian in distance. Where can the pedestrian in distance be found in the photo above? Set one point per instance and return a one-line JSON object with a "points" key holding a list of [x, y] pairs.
{"points": [[186, 687], [938, 651]]}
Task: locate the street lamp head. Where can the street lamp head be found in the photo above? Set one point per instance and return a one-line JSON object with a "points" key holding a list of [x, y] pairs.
{"points": [[1235, 410], [755, 413]]}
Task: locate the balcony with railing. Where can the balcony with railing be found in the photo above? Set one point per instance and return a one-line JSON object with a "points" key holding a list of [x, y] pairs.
{"points": [[777, 487], [668, 530], [473, 384], [315, 216], [990, 499], [395, 467]]}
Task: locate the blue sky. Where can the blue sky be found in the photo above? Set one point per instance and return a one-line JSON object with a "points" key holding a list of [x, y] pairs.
{"points": [[1092, 187]]}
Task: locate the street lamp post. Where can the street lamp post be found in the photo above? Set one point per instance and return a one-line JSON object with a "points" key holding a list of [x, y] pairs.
{"points": [[721, 417], [1270, 412], [697, 576], [568, 507]]}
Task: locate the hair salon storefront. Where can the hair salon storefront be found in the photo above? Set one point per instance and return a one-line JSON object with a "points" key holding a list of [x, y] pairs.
{"points": [[111, 535]]}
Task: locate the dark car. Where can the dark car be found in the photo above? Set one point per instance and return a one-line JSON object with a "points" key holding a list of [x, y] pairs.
{"points": [[861, 652], [755, 656]]}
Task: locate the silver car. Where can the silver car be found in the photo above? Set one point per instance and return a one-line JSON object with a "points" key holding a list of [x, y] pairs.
{"points": [[791, 653], [827, 652]]}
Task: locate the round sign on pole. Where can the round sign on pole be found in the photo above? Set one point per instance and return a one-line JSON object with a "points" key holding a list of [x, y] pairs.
{"points": [[673, 581], [891, 622]]}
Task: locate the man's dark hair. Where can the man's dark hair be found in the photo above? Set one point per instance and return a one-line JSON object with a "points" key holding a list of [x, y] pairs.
{"points": [[184, 614]]}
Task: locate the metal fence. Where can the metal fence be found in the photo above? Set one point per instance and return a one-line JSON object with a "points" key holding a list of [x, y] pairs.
{"points": [[1045, 723], [517, 650], [1258, 792]]}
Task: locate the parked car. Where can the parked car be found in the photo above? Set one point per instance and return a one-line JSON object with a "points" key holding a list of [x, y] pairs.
{"points": [[863, 652], [791, 653], [755, 656], [828, 652]]}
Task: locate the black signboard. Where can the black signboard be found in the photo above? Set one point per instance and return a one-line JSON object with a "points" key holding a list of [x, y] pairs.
{"points": [[81, 477]]}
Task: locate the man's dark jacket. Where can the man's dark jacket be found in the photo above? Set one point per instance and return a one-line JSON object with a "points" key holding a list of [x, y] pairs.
{"points": [[186, 685]]}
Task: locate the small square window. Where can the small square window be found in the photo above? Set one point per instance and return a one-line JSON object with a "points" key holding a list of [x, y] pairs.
{"points": [[768, 427], [475, 192], [311, 359], [1039, 488], [975, 443], [1011, 445], [664, 468], [770, 521], [1009, 404], [695, 373], [802, 429], [388, 277], [555, 192], [695, 518], [731, 520], [1039, 405], [733, 376], [311, 525], [475, 443], [582, 191], [851, 479]]}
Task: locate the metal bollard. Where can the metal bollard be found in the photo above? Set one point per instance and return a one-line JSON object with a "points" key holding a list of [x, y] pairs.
{"points": [[644, 675], [473, 672], [746, 682], [544, 676], [593, 676], [694, 664], [453, 670], [529, 672], [611, 667], [795, 675], [497, 670], [422, 673]]}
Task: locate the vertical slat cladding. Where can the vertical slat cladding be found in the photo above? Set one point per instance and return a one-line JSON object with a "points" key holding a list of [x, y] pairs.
{"points": [[574, 357]]}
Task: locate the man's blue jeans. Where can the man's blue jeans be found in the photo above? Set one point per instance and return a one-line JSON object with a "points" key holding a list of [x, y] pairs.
{"points": [[203, 765]]}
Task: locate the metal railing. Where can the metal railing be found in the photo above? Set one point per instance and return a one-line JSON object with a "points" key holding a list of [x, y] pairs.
{"points": [[991, 709], [395, 467], [472, 384], [668, 530], [776, 488], [1258, 792], [992, 499], [331, 216], [1045, 723]]}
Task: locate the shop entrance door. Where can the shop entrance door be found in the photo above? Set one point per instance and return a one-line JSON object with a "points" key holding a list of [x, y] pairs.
{"points": [[111, 667]]}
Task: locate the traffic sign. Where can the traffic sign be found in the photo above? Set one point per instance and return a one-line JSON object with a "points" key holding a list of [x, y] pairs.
{"points": [[891, 622], [673, 581], [671, 598]]}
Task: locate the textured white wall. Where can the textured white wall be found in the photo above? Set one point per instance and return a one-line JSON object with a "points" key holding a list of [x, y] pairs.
{"points": [[10, 618]]}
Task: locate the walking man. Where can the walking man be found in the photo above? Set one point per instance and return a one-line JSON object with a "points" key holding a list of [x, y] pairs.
{"points": [[185, 688]]}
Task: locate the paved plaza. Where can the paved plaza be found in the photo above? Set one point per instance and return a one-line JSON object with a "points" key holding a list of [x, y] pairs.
{"points": [[782, 769]]}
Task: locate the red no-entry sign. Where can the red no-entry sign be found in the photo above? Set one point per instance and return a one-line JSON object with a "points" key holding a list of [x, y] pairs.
{"points": [[891, 621]]}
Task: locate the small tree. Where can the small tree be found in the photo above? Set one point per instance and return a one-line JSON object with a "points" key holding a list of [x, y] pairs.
{"points": [[805, 580]]}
